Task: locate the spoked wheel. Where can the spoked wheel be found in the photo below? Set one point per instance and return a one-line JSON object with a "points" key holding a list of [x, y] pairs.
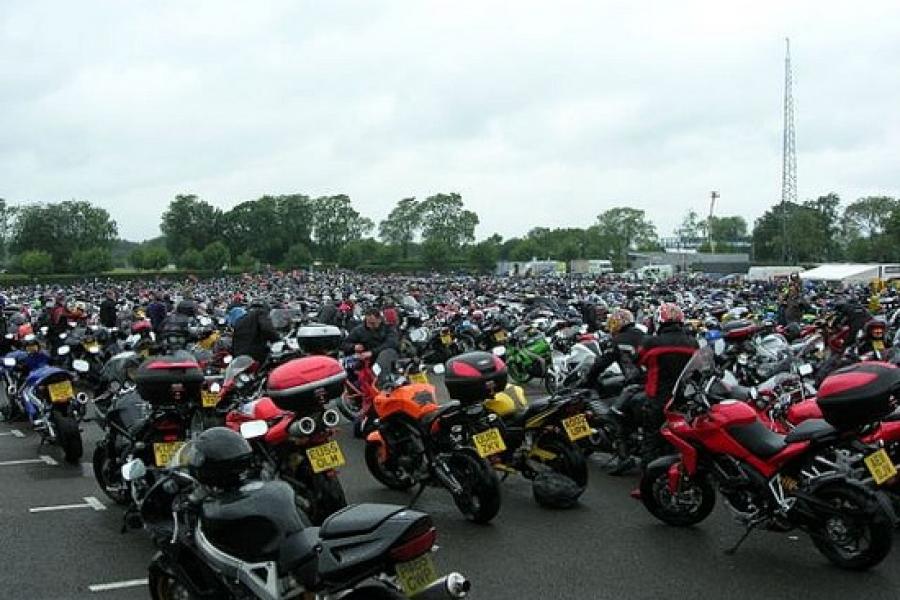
{"points": [[859, 536], [480, 499], [379, 467], [691, 504]]}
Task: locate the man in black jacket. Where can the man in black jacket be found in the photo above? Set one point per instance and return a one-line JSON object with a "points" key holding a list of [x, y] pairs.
{"points": [[374, 339], [253, 332], [108, 309]]}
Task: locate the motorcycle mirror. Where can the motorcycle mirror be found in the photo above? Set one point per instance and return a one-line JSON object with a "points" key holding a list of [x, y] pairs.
{"points": [[376, 369], [805, 370], [215, 388], [133, 470], [498, 351], [278, 347], [253, 429], [63, 350], [438, 369], [81, 366], [9, 362], [228, 358], [73, 324]]}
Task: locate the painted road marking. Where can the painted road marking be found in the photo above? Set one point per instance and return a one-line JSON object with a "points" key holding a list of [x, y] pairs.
{"points": [[13, 432], [116, 585], [89, 502], [43, 458]]}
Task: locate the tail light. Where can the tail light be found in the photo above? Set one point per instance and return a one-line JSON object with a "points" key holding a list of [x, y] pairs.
{"points": [[170, 430], [416, 542]]}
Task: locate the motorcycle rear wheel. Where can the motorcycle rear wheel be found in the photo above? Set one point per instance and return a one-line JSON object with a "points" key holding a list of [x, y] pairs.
{"points": [[326, 497], [68, 437], [676, 511], [382, 472], [164, 586], [480, 500], [839, 537], [569, 460]]}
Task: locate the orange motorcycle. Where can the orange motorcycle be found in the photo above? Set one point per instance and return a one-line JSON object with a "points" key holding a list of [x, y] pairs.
{"points": [[415, 441]]}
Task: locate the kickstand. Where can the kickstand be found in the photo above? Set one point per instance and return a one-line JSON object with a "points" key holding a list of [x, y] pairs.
{"points": [[417, 496], [733, 550]]}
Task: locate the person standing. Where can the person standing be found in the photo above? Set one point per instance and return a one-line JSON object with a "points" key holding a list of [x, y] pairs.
{"points": [[108, 309]]}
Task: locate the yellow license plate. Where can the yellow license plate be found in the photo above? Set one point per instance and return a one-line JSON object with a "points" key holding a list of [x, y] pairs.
{"points": [[145, 352], [92, 348], [446, 339], [324, 457], [577, 427], [878, 345], [209, 399], [489, 442], [61, 391], [164, 451], [416, 575], [880, 466], [418, 378], [500, 336]]}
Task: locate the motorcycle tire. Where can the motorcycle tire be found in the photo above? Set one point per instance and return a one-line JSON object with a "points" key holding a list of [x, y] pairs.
{"points": [[657, 499], [104, 468], [68, 437], [382, 473], [569, 459], [327, 497], [551, 385], [480, 500], [204, 419], [518, 372], [874, 526], [373, 592], [350, 405]]}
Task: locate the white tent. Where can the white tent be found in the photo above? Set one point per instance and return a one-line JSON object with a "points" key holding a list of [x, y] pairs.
{"points": [[846, 274]]}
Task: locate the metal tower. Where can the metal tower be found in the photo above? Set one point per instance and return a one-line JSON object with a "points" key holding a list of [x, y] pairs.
{"points": [[789, 150]]}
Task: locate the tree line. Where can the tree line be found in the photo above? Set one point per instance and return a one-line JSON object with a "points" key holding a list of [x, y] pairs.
{"points": [[438, 232]]}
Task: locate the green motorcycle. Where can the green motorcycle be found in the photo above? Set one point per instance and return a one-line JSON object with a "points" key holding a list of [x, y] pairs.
{"points": [[528, 355]]}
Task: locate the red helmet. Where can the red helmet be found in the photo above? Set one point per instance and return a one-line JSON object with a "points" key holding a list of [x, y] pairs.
{"points": [[24, 329], [669, 312], [140, 326]]}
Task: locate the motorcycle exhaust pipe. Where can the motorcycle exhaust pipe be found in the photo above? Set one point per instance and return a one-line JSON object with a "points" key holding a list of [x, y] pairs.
{"points": [[11, 389], [81, 398], [454, 585]]}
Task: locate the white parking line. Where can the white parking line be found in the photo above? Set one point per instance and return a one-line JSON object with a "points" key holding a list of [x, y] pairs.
{"points": [[89, 502], [43, 458], [13, 432], [116, 585]]}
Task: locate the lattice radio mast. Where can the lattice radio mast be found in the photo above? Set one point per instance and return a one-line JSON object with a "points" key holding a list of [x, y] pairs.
{"points": [[789, 151]]}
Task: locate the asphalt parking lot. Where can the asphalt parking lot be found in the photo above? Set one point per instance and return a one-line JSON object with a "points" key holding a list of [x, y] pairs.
{"points": [[62, 539]]}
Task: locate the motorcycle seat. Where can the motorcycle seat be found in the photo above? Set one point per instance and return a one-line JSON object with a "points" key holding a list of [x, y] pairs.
{"points": [[811, 429], [533, 408], [298, 548], [758, 439], [434, 415], [356, 520]]}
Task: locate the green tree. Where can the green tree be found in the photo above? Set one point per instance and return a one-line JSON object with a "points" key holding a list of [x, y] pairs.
{"points": [[401, 225], [268, 226], [156, 258], [445, 218], [36, 262], [189, 223], [62, 229], [91, 260], [623, 229], [436, 254], [691, 230], [336, 223], [485, 254], [246, 262], [796, 233], [298, 256], [191, 259], [216, 256], [137, 258]]}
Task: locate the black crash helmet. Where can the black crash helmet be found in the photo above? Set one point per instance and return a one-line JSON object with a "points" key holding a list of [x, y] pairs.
{"points": [[219, 457]]}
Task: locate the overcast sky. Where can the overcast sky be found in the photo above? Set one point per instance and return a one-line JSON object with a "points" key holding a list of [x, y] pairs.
{"points": [[538, 113]]}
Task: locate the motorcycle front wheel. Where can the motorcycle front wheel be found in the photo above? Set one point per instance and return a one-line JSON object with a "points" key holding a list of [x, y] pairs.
{"points": [[857, 538], [376, 461], [106, 472], [690, 505], [479, 501]]}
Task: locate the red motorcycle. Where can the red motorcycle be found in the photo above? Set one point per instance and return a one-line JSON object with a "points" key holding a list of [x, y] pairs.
{"points": [[298, 446], [776, 482]]}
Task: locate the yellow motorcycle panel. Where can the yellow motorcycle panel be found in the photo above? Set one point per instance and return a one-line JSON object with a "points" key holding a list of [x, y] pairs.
{"points": [[508, 402]]}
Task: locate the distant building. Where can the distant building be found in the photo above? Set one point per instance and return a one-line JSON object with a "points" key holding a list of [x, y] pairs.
{"points": [[701, 262]]}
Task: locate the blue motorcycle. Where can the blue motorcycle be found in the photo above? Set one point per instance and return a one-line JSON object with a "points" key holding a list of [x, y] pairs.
{"points": [[54, 409]]}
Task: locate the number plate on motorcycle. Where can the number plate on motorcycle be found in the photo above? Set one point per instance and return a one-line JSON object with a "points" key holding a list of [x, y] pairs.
{"points": [[577, 427], [878, 345], [164, 451], [500, 336], [324, 457], [416, 575], [418, 378], [209, 399], [61, 391], [880, 466], [489, 442], [446, 339]]}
